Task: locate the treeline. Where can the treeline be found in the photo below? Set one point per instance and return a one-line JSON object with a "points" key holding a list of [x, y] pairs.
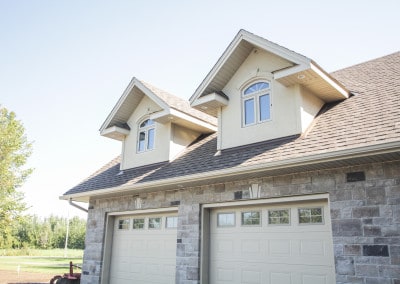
{"points": [[44, 233]]}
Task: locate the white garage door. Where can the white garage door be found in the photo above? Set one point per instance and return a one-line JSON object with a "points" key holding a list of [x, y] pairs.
{"points": [[144, 249], [272, 244]]}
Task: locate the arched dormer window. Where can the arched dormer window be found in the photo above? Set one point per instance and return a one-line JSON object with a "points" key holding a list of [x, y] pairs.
{"points": [[256, 103], [146, 135]]}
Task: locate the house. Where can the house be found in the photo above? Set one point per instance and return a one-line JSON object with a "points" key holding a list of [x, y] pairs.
{"points": [[274, 172]]}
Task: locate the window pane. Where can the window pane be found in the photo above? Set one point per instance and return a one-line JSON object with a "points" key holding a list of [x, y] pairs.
{"points": [[146, 123], [310, 215], [138, 223], [256, 87], [123, 224], [154, 223], [265, 107], [249, 116], [251, 218], [226, 219], [279, 217], [142, 141], [150, 139], [171, 222]]}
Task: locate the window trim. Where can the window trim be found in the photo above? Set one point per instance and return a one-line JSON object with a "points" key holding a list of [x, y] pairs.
{"points": [[146, 129], [256, 95]]}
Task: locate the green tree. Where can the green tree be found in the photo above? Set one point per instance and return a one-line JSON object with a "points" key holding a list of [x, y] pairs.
{"points": [[14, 152]]}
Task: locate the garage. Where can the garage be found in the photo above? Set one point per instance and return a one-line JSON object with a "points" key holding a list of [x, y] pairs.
{"points": [[144, 248], [279, 243]]}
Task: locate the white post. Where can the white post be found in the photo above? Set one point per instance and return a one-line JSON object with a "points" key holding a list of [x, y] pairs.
{"points": [[66, 237]]}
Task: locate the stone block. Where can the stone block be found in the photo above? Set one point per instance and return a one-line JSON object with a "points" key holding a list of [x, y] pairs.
{"points": [[350, 227], [344, 265], [372, 231], [366, 212], [352, 250], [394, 252], [377, 281], [375, 196], [390, 271], [375, 250], [193, 273], [367, 270], [391, 231]]}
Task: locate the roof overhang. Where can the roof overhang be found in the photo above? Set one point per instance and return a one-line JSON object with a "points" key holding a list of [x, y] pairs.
{"points": [[211, 103], [311, 76], [342, 158], [182, 119], [115, 132]]}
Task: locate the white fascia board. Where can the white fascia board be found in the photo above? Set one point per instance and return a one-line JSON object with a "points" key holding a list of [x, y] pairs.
{"points": [[114, 129], [329, 80], [221, 61], [275, 48], [174, 114], [390, 147], [290, 71], [209, 98]]}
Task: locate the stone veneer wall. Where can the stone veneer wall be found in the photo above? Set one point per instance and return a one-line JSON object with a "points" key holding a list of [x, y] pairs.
{"points": [[365, 220]]}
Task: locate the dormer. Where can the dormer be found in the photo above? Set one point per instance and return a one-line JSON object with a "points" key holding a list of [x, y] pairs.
{"points": [[260, 91], [153, 125]]}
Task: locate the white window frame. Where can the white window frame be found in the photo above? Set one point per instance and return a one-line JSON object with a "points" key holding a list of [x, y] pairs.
{"points": [[146, 129], [256, 97]]}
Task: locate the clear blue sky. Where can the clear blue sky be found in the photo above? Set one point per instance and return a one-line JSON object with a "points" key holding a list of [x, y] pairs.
{"points": [[64, 64]]}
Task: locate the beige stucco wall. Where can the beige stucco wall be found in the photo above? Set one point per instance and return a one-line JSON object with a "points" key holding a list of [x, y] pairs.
{"points": [[285, 110], [160, 153], [181, 137], [310, 105]]}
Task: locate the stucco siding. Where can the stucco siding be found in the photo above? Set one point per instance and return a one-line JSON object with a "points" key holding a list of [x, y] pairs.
{"points": [[160, 153]]}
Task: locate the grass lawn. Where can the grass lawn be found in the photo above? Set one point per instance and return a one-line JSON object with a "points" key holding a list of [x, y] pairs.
{"points": [[42, 261]]}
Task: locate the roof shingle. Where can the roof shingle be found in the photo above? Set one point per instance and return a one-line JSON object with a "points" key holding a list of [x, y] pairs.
{"points": [[370, 117]]}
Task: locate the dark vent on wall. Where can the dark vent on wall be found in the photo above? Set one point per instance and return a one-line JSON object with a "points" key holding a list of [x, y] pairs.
{"points": [[355, 176], [175, 203], [238, 195]]}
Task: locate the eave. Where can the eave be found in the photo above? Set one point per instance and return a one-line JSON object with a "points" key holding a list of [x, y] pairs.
{"points": [[315, 79], [115, 132], [341, 158], [182, 119]]}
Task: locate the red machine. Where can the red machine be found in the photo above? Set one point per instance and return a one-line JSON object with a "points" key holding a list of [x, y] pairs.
{"points": [[68, 278]]}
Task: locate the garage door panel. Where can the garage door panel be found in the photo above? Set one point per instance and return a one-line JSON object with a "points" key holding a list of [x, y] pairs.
{"points": [[292, 253], [142, 254]]}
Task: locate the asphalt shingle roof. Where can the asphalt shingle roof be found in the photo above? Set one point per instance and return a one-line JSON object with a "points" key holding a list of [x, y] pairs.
{"points": [[370, 117]]}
